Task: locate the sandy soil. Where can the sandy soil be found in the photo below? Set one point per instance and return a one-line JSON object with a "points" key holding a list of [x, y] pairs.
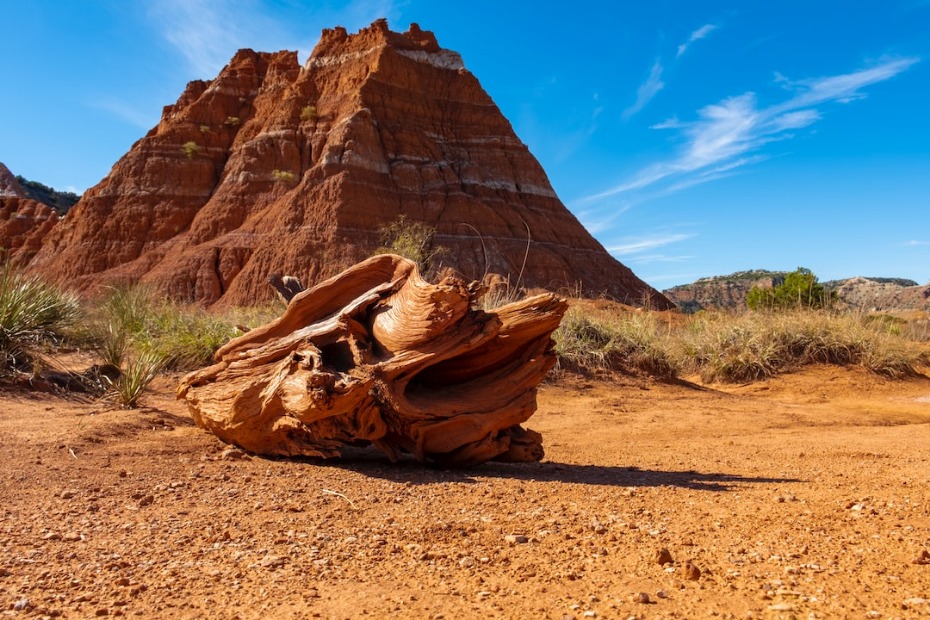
{"points": [[807, 496]]}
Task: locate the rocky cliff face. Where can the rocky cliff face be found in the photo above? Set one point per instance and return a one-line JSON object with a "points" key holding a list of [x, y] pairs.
{"points": [[24, 224], [722, 292], [882, 293], [274, 167], [9, 186]]}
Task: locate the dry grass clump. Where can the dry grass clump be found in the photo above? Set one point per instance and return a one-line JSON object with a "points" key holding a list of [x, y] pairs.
{"points": [[596, 341], [131, 320], [141, 335], [758, 345]]}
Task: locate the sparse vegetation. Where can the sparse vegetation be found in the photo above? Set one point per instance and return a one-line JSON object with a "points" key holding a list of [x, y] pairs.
{"points": [[800, 289], [130, 321], [309, 113], [204, 129], [754, 346], [632, 342], [283, 176], [59, 201], [135, 377], [190, 149], [32, 314], [413, 240], [233, 121], [735, 348]]}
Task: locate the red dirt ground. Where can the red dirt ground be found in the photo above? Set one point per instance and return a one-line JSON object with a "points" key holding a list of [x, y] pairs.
{"points": [[806, 496]]}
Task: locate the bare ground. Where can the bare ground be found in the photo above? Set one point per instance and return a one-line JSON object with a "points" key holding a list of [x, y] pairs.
{"points": [[804, 496]]}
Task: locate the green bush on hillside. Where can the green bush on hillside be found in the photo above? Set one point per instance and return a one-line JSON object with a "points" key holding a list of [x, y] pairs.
{"points": [[799, 290]]}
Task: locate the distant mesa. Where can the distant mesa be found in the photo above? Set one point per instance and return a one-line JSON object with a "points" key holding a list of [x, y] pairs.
{"points": [[729, 292], [273, 167]]}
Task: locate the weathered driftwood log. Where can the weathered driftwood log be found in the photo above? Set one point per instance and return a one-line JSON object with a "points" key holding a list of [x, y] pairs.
{"points": [[376, 355]]}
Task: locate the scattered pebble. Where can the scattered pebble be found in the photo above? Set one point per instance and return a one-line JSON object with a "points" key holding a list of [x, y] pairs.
{"points": [[516, 539], [273, 561], [781, 607], [642, 598], [21, 604], [233, 454], [923, 557], [663, 557], [661, 594], [691, 572], [68, 494]]}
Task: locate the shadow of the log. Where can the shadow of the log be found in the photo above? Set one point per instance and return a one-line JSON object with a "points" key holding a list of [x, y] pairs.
{"points": [[412, 472]]}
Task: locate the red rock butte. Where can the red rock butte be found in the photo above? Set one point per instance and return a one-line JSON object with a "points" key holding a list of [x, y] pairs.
{"points": [[277, 168]]}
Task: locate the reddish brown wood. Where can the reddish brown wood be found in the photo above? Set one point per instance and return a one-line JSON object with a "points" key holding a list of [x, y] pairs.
{"points": [[377, 355]]}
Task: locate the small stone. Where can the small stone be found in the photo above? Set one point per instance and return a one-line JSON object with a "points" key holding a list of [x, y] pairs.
{"points": [[103, 611], [122, 582], [642, 598], [21, 604], [590, 614], [781, 607], [661, 594], [68, 494], [122, 473], [52, 536], [516, 539], [873, 614], [72, 537], [923, 557], [663, 557], [233, 454], [146, 500], [273, 561], [914, 602], [691, 572]]}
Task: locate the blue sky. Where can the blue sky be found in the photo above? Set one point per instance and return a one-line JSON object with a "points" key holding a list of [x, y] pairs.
{"points": [[691, 138]]}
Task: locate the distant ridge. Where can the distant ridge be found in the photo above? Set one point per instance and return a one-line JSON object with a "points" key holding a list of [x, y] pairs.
{"points": [[728, 292]]}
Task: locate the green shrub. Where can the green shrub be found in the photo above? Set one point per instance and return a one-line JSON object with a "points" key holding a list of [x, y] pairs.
{"points": [[190, 149], [32, 313], [234, 121], [413, 240], [283, 176], [204, 129], [309, 113], [799, 290]]}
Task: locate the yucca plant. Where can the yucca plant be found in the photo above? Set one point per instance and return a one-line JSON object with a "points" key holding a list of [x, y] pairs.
{"points": [[32, 312], [136, 375]]}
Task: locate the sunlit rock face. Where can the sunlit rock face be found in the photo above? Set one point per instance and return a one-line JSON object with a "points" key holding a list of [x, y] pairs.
{"points": [[274, 167]]}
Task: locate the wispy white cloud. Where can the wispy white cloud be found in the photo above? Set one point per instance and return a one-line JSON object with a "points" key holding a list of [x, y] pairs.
{"points": [[647, 90], [913, 243], [729, 134], [208, 33], [658, 258], [697, 35], [633, 246], [143, 118]]}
